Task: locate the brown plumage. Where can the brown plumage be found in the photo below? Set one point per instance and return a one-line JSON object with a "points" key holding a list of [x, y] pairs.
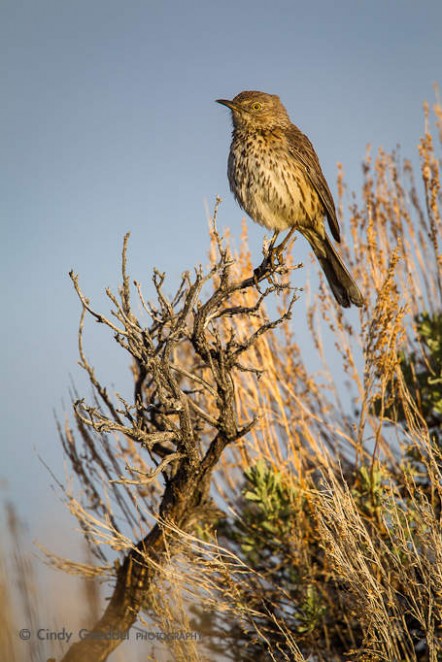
{"points": [[275, 175]]}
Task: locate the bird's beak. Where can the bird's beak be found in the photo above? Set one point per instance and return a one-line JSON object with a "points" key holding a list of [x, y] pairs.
{"points": [[226, 102]]}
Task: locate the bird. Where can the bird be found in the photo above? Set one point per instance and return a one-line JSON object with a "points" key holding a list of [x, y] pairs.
{"points": [[275, 175]]}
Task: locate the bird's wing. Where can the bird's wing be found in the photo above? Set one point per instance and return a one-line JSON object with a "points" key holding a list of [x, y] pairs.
{"points": [[303, 151]]}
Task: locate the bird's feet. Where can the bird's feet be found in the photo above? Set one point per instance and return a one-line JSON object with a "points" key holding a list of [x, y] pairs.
{"points": [[270, 264], [275, 254]]}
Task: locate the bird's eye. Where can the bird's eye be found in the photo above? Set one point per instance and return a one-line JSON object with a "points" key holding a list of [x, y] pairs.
{"points": [[256, 106]]}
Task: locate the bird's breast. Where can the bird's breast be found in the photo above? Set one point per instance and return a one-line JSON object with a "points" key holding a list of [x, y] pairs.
{"points": [[271, 187]]}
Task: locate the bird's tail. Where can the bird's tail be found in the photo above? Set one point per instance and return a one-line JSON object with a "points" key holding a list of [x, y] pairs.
{"points": [[342, 284]]}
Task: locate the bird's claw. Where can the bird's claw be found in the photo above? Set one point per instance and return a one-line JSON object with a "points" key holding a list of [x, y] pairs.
{"points": [[269, 265], [275, 256]]}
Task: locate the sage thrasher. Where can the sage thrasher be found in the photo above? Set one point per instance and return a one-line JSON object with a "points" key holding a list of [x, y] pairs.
{"points": [[274, 174]]}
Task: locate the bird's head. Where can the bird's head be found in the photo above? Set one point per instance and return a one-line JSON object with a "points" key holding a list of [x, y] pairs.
{"points": [[257, 110]]}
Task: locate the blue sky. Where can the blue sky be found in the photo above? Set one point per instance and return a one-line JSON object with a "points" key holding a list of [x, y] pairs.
{"points": [[109, 124]]}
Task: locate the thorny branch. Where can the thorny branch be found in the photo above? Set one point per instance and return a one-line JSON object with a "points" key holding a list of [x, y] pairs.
{"points": [[187, 357]]}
